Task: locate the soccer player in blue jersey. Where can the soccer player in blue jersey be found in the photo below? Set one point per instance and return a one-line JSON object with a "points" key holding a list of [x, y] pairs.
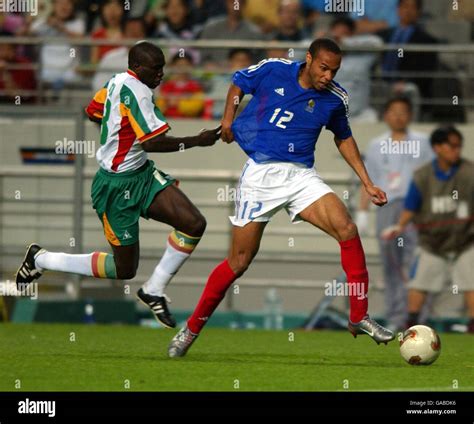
{"points": [[278, 130]]}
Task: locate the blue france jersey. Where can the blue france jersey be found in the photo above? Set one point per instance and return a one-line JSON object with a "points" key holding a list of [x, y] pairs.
{"points": [[282, 121]]}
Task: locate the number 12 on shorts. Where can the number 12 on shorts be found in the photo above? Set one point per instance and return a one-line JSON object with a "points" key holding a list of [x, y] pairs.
{"points": [[251, 211]]}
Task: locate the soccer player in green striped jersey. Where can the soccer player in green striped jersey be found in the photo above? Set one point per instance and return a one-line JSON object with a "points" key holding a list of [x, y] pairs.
{"points": [[127, 186]]}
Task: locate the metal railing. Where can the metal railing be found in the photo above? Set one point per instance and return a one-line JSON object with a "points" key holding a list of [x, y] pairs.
{"points": [[465, 75]]}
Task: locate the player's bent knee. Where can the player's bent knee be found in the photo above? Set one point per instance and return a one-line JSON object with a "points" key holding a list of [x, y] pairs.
{"points": [[194, 226], [347, 231], [240, 262]]}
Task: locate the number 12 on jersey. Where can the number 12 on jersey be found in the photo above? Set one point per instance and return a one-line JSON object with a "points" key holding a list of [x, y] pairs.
{"points": [[287, 116]]}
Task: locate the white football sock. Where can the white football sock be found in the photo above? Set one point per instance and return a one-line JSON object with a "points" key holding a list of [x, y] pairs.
{"points": [[170, 263], [96, 264], [64, 262]]}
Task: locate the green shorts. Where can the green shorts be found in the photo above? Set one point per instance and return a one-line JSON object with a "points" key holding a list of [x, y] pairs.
{"points": [[121, 199]]}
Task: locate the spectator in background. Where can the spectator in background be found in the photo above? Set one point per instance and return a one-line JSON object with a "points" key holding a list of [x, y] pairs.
{"points": [[230, 27], [18, 24], [278, 53], [441, 202], [12, 80], [58, 61], [317, 17], [203, 10], [132, 8], [91, 11], [464, 12], [116, 60], [112, 16], [262, 13], [378, 16], [238, 59], [178, 22], [289, 20], [13, 23], [409, 32], [181, 96], [355, 71], [391, 160]]}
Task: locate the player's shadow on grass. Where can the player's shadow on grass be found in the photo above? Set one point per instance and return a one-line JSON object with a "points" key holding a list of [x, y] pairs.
{"points": [[287, 360], [97, 356]]}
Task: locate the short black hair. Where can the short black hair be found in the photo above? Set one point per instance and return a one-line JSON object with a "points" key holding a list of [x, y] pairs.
{"points": [[441, 135], [398, 99], [239, 50], [344, 20], [323, 44], [419, 4], [144, 51]]}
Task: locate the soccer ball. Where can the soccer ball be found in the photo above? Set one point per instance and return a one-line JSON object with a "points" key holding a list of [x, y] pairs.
{"points": [[420, 345]]}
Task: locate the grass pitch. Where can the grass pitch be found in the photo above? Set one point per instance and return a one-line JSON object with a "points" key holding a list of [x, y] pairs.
{"points": [[43, 357]]}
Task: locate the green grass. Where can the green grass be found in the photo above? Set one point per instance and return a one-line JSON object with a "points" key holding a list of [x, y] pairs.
{"points": [[101, 358]]}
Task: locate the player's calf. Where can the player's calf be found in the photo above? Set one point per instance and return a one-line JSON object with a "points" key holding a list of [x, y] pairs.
{"points": [[240, 262], [125, 272], [37, 260]]}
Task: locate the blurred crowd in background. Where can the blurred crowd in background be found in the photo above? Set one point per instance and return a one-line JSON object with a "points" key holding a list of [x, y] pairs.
{"points": [[197, 78]]}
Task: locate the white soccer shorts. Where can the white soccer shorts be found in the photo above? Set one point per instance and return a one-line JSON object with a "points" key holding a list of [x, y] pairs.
{"points": [[266, 188]]}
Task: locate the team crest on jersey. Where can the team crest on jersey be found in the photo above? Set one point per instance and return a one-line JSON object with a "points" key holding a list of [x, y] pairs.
{"points": [[310, 106]]}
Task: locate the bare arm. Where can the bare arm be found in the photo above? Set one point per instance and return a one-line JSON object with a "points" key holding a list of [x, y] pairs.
{"points": [[350, 152], [166, 143], [405, 217], [364, 200], [234, 96], [397, 229]]}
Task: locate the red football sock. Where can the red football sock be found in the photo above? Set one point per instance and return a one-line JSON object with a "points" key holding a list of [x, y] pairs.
{"points": [[353, 264], [217, 284]]}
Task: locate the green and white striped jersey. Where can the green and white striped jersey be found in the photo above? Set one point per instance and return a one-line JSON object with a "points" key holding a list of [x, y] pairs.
{"points": [[129, 117]]}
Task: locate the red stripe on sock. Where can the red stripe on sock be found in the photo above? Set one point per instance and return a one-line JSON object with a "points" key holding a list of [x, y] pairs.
{"points": [[353, 264], [95, 270], [217, 284]]}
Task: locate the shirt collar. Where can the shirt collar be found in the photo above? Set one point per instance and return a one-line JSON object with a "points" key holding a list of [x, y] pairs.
{"points": [[442, 175], [133, 74]]}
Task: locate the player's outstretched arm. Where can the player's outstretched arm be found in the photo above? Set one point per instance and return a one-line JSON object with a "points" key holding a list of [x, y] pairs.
{"points": [[166, 143], [350, 152], [234, 96]]}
